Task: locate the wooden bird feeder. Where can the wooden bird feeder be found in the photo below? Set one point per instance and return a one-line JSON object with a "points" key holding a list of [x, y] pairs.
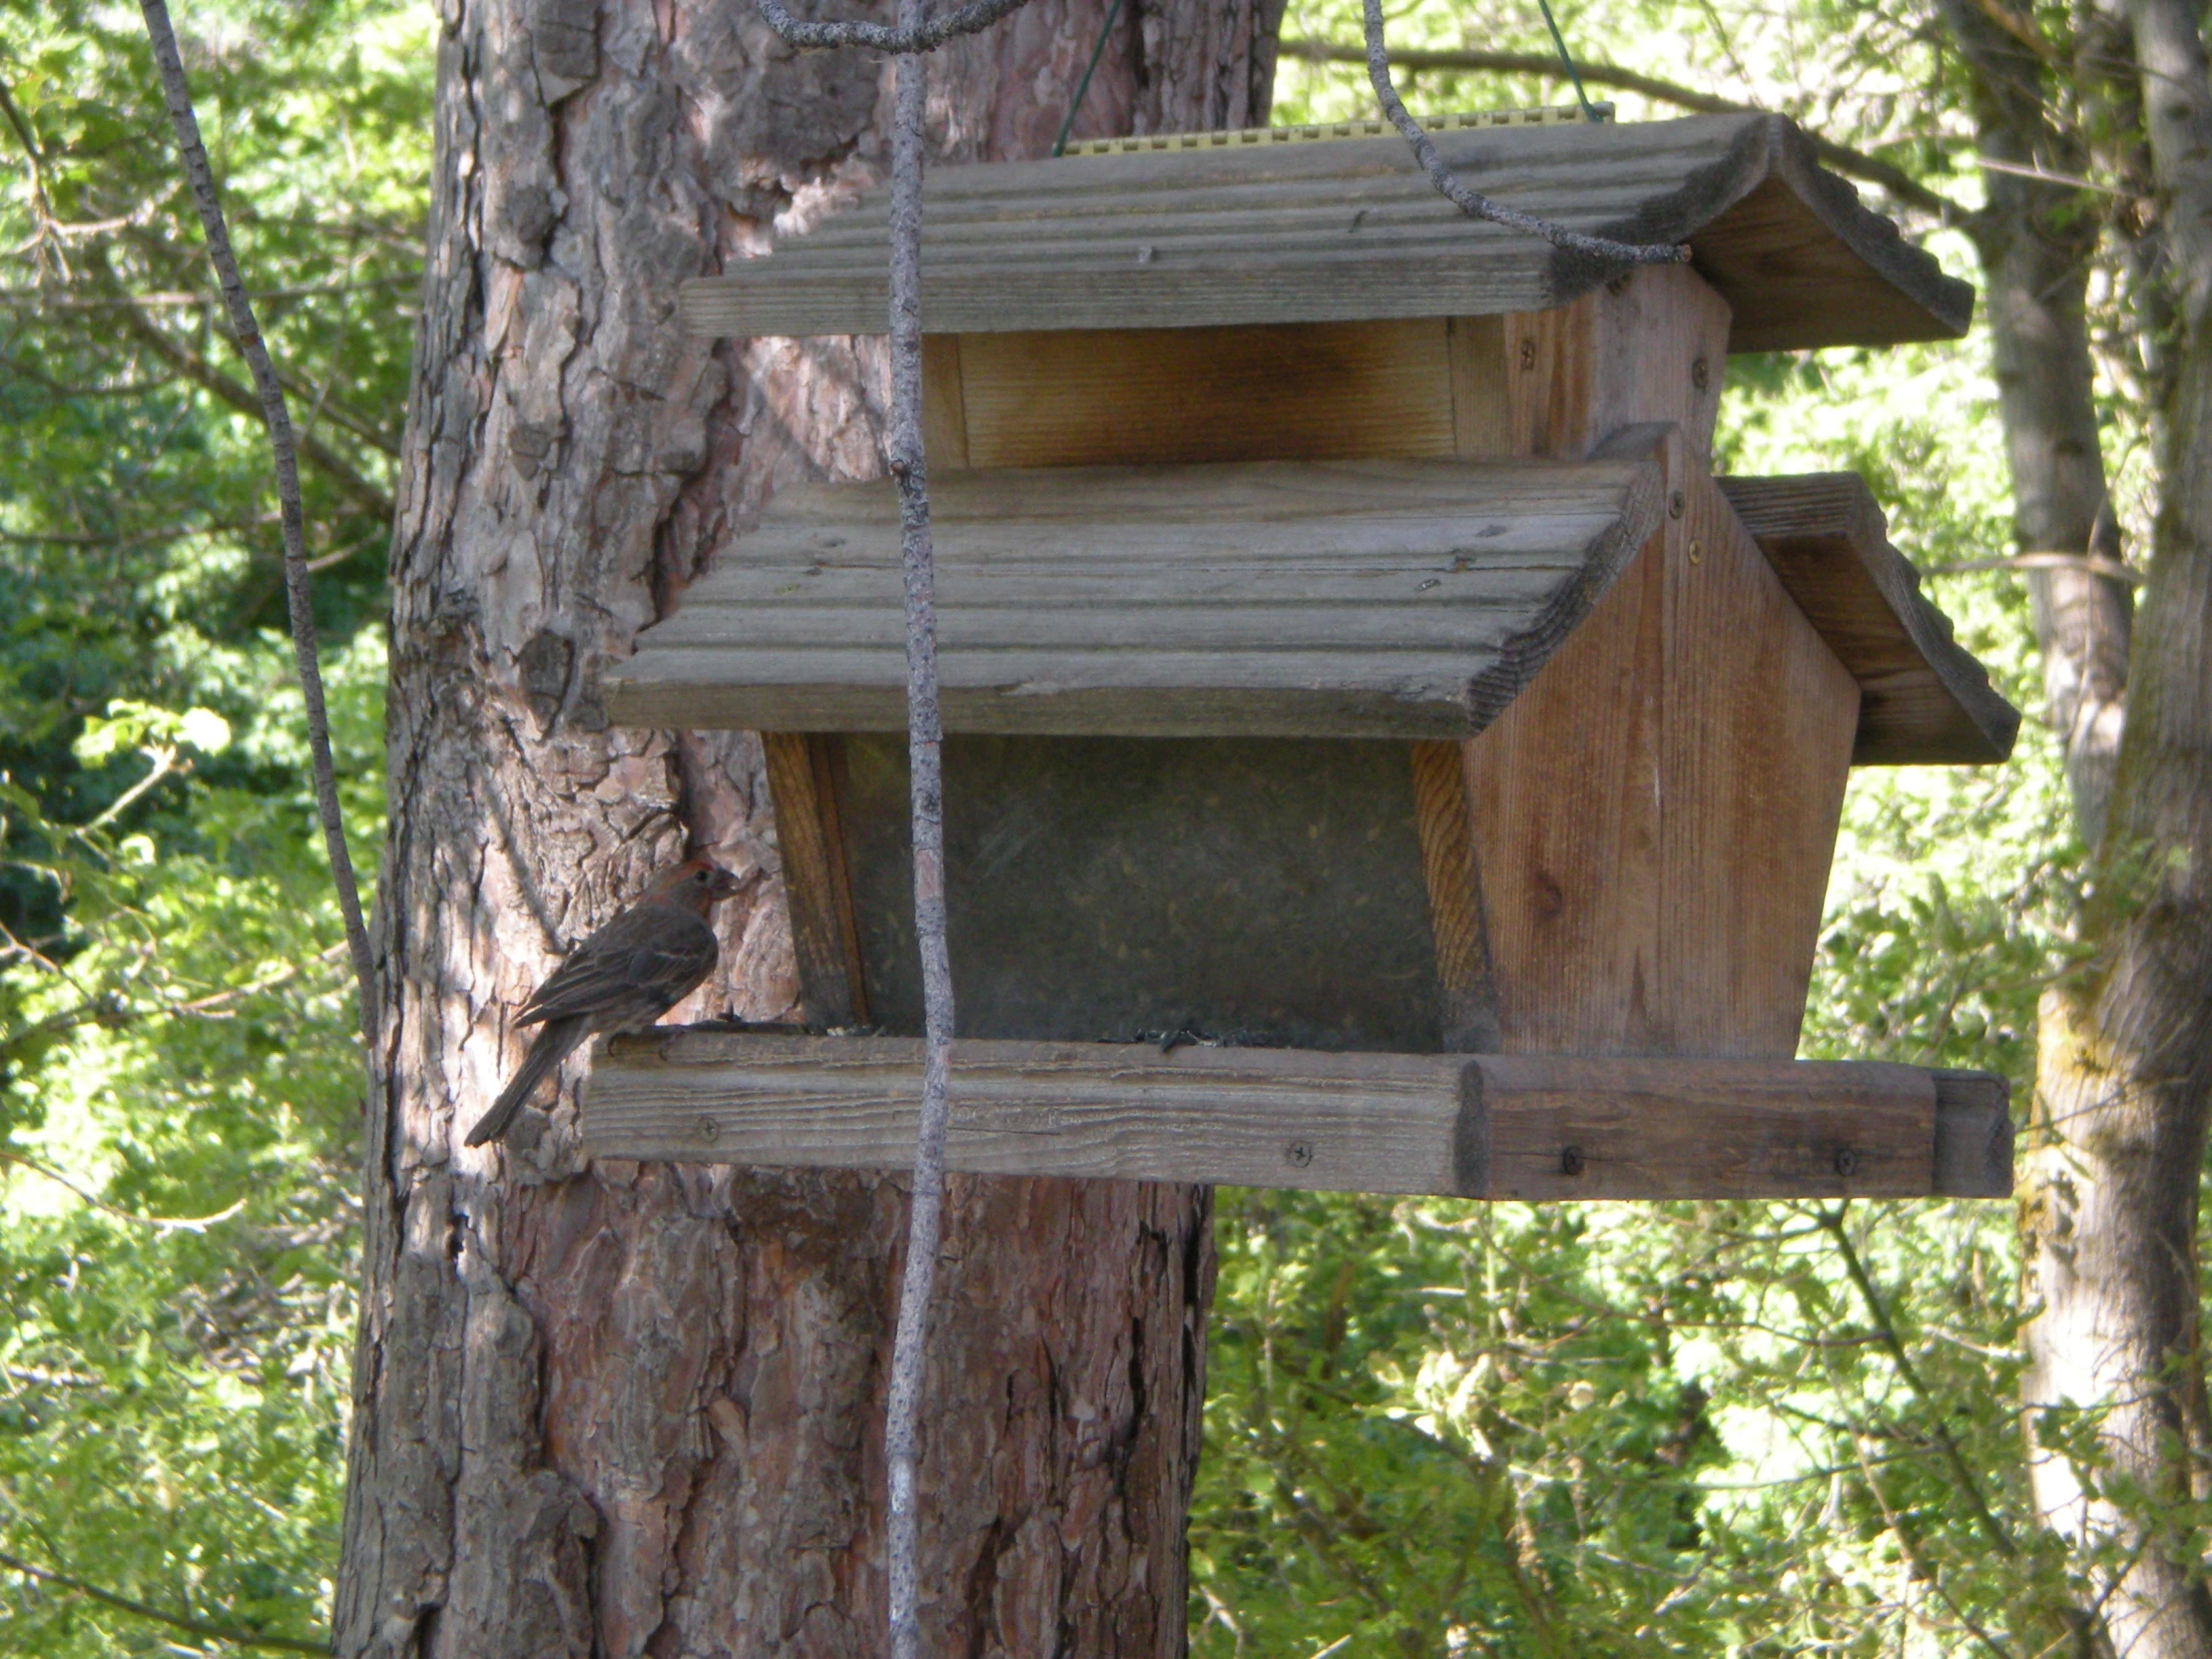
{"points": [[1380, 755]]}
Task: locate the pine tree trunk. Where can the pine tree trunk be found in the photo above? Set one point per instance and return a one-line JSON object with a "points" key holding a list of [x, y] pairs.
{"points": [[628, 1409]]}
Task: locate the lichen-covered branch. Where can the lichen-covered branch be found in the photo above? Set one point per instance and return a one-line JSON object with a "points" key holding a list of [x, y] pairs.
{"points": [[925, 762]]}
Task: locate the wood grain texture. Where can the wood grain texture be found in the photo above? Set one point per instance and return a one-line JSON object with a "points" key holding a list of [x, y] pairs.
{"points": [[1973, 1134], [1566, 828], [1489, 1126], [1318, 391], [1923, 699], [1295, 233], [1569, 1126], [945, 434], [1647, 346], [1481, 387], [1465, 987], [801, 780], [1340, 599], [1758, 724], [1117, 1111], [1655, 814]]}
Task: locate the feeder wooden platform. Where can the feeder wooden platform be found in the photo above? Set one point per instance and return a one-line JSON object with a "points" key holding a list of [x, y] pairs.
{"points": [[1487, 1126]]}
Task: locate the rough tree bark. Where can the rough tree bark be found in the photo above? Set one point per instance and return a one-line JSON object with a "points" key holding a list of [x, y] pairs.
{"points": [[630, 1409], [2125, 1046]]}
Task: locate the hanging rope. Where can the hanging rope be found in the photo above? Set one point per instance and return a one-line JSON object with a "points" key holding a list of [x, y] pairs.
{"points": [[1567, 58], [1060, 143], [1473, 202]]}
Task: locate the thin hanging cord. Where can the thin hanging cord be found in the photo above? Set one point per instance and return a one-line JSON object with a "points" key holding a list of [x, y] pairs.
{"points": [[1060, 143], [1473, 202], [1567, 58]]}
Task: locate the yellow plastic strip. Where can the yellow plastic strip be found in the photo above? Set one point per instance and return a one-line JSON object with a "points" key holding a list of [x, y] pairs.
{"points": [[1549, 115]]}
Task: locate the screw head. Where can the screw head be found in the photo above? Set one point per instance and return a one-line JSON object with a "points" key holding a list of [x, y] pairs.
{"points": [[705, 1129], [1846, 1161], [1571, 1161], [1700, 376], [1298, 1154], [1527, 356], [1677, 502]]}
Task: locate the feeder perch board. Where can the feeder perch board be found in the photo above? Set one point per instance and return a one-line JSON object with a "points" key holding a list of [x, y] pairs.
{"points": [[1354, 679]]}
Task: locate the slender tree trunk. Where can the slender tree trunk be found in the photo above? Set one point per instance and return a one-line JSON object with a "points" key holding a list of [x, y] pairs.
{"points": [[628, 1410], [2036, 240], [2125, 1051]]}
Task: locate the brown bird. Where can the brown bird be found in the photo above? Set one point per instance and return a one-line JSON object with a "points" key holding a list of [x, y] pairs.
{"points": [[621, 978]]}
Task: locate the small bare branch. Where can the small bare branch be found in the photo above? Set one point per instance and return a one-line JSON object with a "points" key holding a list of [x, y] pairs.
{"points": [[192, 366], [278, 421], [1477, 206], [1970, 1487], [1851, 162], [2095, 564], [159, 1224], [174, 1621]]}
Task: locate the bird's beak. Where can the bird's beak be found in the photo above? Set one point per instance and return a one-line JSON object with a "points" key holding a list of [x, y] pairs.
{"points": [[724, 885]]}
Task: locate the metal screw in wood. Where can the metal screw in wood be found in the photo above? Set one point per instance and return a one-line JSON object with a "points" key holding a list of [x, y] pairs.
{"points": [[1846, 1161], [1298, 1154], [1571, 1161]]}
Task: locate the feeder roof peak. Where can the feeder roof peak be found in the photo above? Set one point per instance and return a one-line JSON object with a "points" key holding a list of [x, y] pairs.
{"points": [[1237, 232]]}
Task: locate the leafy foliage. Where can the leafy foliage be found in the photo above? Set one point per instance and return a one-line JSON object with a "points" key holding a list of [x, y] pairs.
{"points": [[179, 1076]]}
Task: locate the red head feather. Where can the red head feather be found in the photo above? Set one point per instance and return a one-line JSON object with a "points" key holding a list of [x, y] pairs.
{"points": [[699, 885]]}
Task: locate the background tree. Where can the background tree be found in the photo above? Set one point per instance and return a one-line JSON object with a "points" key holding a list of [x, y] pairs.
{"points": [[2125, 1077]]}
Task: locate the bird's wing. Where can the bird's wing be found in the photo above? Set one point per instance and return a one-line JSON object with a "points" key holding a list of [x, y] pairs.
{"points": [[638, 967]]}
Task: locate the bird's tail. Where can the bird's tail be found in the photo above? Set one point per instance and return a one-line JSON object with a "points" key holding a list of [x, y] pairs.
{"points": [[546, 1054]]}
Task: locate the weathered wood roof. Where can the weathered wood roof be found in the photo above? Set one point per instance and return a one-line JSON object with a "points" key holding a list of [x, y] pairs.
{"points": [[1922, 699], [1406, 599], [1289, 599], [1252, 233]]}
